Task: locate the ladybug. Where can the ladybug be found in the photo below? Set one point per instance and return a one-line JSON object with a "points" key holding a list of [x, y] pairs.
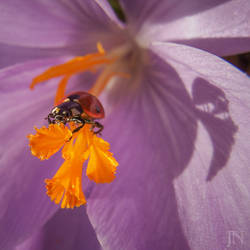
{"points": [[79, 107]]}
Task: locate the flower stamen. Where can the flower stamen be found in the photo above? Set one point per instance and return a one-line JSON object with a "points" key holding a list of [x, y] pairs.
{"points": [[60, 93], [89, 62], [103, 80]]}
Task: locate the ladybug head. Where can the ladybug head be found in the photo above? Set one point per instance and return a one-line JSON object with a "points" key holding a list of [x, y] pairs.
{"points": [[58, 115], [65, 112]]}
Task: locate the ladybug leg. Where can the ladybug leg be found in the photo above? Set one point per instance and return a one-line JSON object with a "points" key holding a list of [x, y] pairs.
{"points": [[95, 125], [48, 118], [99, 126], [78, 120], [78, 128]]}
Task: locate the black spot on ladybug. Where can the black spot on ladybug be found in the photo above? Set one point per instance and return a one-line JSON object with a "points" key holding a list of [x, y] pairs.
{"points": [[98, 110]]}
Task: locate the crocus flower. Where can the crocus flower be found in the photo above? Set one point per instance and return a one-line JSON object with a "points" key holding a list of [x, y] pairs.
{"points": [[179, 126]]}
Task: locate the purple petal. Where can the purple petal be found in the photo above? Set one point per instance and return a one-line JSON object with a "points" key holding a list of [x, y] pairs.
{"points": [[166, 11], [212, 193], [152, 141], [182, 144], [67, 229], [218, 26], [54, 23], [16, 54], [25, 207]]}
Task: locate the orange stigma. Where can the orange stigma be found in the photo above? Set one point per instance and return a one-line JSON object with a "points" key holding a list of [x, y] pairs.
{"points": [[66, 185]]}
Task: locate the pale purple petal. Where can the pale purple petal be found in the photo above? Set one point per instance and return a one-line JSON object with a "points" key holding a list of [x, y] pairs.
{"points": [[213, 193], [164, 11], [24, 204], [16, 54], [54, 23], [183, 177], [220, 27], [66, 230], [152, 132]]}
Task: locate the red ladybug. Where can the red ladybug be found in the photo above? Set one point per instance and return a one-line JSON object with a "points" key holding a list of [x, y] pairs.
{"points": [[79, 107]]}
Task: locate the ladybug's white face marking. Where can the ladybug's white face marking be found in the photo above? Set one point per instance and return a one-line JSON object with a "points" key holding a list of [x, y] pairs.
{"points": [[66, 100], [55, 110], [97, 109]]}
